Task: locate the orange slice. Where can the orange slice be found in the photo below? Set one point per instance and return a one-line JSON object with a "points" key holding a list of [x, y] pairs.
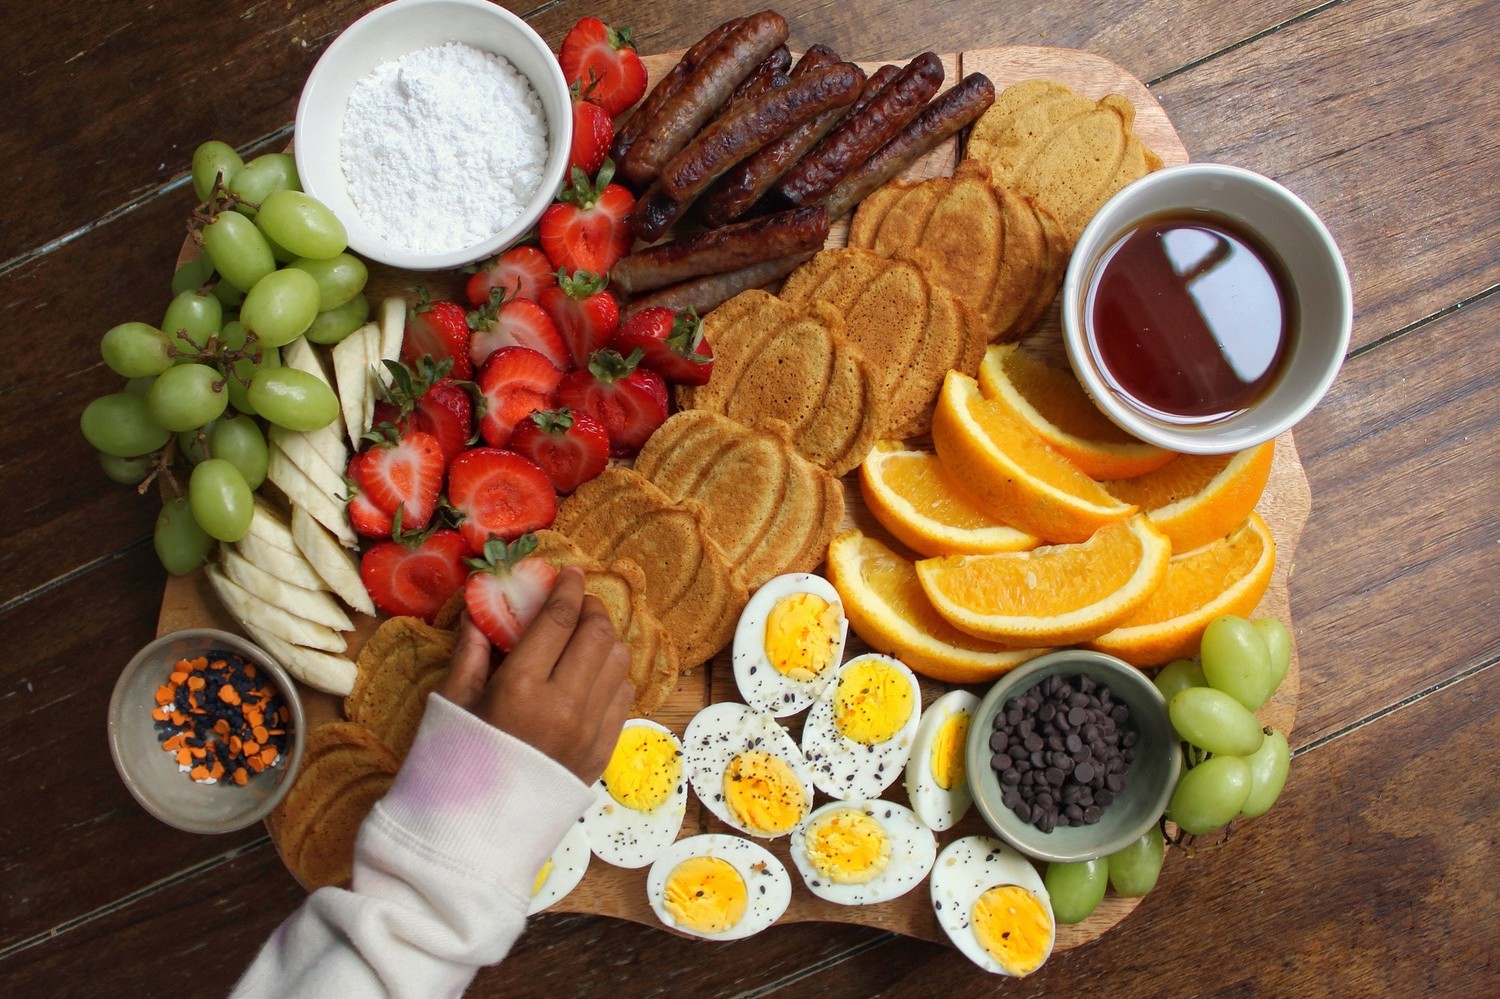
{"points": [[1056, 595], [1196, 499], [915, 498], [1228, 576], [887, 608], [1011, 474], [1052, 403]]}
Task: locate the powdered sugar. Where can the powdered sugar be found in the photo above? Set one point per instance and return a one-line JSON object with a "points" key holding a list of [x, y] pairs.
{"points": [[443, 147]]}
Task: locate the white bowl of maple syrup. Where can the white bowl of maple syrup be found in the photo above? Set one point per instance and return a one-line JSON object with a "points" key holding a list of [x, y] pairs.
{"points": [[1206, 309]]}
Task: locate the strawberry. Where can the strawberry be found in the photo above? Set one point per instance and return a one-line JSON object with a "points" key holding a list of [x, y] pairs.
{"points": [[427, 400], [593, 52], [672, 344], [514, 381], [522, 272], [368, 519], [629, 400], [401, 472], [570, 447], [588, 227], [585, 314], [499, 494], [415, 573], [593, 131], [439, 329], [515, 322], [507, 589]]}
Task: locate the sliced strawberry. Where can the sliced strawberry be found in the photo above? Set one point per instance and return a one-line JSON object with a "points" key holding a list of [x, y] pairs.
{"points": [[584, 313], [437, 329], [401, 472], [515, 322], [515, 381], [588, 227], [368, 519], [593, 52], [522, 272], [499, 494], [571, 447], [507, 589], [425, 399], [671, 343], [593, 131], [629, 400], [415, 574]]}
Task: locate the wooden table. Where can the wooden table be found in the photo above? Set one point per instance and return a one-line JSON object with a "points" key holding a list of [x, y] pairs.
{"points": [[1375, 873]]}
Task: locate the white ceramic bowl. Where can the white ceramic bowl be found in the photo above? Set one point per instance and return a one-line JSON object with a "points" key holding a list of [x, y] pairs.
{"points": [[386, 34], [1310, 259]]}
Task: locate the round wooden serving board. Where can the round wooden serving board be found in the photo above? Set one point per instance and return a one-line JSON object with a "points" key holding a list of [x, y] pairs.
{"points": [[612, 891]]}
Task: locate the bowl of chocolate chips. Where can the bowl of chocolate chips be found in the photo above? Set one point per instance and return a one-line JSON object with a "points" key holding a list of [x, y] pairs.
{"points": [[1071, 756]]}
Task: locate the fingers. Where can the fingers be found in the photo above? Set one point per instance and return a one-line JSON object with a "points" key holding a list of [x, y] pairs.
{"points": [[592, 641], [469, 669], [621, 695], [548, 635]]}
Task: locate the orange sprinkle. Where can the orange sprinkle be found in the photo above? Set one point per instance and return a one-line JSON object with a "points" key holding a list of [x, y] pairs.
{"points": [[268, 755], [241, 775], [177, 678], [199, 773], [228, 694], [165, 695]]}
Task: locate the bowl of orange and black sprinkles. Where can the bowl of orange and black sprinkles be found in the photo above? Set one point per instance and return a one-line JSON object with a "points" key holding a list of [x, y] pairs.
{"points": [[206, 730]]}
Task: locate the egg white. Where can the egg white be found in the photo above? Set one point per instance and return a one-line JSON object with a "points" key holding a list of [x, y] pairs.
{"points": [[569, 863], [768, 886], [718, 734], [624, 837], [761, 685], [845, 769], [966, 869], [913, 850], [938, 807]]}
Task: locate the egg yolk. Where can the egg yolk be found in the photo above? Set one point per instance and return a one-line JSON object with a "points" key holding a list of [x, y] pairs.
{"points": [[763, 794], [948, 751], [1014, 927], [541, 877], [872, 703], [643, 769], [705, 894], [802, 635], [848, 847]]}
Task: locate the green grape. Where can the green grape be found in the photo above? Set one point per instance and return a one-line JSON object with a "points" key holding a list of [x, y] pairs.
{"points": [[136, 350], [1235, 660], [293, 399], [1278, 648], [302, 224], [334, 325], [140, 386], [197, 315], [119, 424], [281, 306], [281, 253], [339, 278], [1077, 889], [257, 179], [193, 444], [238, 440], [1210, 795], [193, 275], [239, 252], [187, 397], [1179, 674], [221, 500], [210, 160], [1268, 769], [1133, 869], [181, 544], [1210, 719], [127, 471], [228, 295]]}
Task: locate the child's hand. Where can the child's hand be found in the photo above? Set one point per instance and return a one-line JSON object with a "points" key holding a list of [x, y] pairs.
{"points": [[563, 688]]}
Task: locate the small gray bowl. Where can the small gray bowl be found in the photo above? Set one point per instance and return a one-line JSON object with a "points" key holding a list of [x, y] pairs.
{"points": [[1148, 787], [151, 774]]}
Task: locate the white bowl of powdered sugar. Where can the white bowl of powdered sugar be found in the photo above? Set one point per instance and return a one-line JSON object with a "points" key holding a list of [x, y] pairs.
{"points": [[437, 131]]}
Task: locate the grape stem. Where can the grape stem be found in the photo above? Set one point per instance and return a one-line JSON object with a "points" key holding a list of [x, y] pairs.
{"points": [[220, 199]]}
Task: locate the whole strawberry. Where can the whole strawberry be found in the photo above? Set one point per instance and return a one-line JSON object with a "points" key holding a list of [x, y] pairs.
{"points": [[415, 573], [588, 227], [507, 321], [437, 329], [584, 313], [424, 398], [593, 52], [671, 344], [521, 272], [630, 401], [571, 447]]}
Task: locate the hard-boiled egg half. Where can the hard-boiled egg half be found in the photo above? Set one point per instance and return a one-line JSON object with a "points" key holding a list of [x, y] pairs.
{"points": [[747, 770], [862, 852], [789, 639], [718, 887], [562, 871], [937, 782], [640, 798], [859, 732], [992, 904]]}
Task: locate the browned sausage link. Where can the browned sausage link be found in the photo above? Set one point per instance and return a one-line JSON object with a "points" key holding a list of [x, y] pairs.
{"points": [[946, 116], [875, 86], [654, 213], [762, 78], [717, 250], [814, 57], [681, 116], [859, 135], [705, 293], [667, 86]]}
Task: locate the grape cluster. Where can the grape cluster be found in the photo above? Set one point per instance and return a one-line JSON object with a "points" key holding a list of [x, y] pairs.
{"points": [[202, 384]]}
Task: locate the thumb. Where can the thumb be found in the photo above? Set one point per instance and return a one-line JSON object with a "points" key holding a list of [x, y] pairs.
{"points": [[469, 671]]}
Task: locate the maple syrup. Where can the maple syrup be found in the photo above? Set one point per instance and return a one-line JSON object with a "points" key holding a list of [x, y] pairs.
{"points": [[1190, 317]]}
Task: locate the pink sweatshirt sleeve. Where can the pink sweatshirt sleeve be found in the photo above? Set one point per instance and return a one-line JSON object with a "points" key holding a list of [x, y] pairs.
{"points": [[443, 870]]}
